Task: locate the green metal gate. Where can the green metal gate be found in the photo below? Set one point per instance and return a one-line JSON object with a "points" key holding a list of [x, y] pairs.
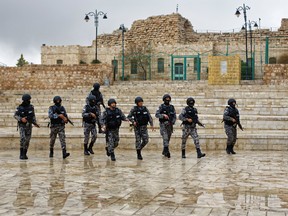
{"points": [[179, 70]]}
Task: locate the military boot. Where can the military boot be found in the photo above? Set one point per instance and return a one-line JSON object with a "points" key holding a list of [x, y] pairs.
{"points": [[25, 154], [86, 150], [228, 149], [21, 154], [183, 153], [166, 152], [90, 149], [51, 153], [139, 156], [64, 153], [199, 153], [232, 149], [113, 158], [107, 152], [163, 151]]}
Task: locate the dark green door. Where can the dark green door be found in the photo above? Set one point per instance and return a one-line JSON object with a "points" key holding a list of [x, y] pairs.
{"points": [[179, 72]]}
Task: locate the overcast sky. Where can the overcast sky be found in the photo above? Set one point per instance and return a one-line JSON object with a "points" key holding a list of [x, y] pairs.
{"points": [[27, 24]]}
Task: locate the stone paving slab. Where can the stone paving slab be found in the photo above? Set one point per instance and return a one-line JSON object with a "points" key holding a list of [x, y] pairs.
{"points": [[249, 183]]}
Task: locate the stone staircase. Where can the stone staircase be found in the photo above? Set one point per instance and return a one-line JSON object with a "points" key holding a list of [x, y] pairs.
{"points": [[263, 109]]}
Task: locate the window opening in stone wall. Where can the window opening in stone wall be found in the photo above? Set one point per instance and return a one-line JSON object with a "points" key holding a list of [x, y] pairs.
{"points": [[272, 60], [134, 67], [59, 61], [160, 65]]}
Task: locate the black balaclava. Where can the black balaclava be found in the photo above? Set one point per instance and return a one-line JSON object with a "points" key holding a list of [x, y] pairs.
{"points": [[191, 103], [167, 101], [26, 103]]}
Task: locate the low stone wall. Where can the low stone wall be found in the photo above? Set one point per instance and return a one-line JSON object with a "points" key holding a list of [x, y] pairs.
{"points": [[224, 70], [275, 74], [54, 76]]}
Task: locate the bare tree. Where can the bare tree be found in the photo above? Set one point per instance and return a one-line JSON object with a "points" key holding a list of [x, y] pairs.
{"points": [[140, 55]]}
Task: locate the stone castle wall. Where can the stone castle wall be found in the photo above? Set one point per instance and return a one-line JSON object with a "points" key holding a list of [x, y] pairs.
{"points": [[53, 76], [168, 34], [284, 25]]}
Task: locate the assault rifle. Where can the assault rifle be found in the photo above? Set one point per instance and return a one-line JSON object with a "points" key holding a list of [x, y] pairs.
{"points": [[34, 123], [200, 124], [239, 125], [29, 119], [58, 112]]}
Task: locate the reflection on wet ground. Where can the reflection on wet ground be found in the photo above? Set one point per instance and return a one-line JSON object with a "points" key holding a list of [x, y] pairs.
{"points": [[248, 183]]}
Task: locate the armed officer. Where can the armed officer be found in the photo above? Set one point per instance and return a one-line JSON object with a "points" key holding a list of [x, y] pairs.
{"points": [[25, 116], [167, 118], [140, 116], [231, 118], [189, 118], [99, 101], [90, 115], [58, 118], [111, 120]]}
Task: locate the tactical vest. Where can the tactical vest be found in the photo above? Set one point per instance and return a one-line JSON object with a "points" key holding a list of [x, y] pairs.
{"points": [[113, 120], [26, 111], [90, 109], [167, 110], [141, 115], [233, 113], [58, 110], [191, 113]]}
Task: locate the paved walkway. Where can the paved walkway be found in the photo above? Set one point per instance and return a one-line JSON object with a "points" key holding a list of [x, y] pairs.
{"points": [[249, 183]]}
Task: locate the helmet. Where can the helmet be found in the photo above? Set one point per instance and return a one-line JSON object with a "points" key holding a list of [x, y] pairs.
{"points": [[231, 101], [91, 98], [26, 97], [57, 98], [190, 100], [96, 86], [138, 99], [111, 100], [165, 96]]}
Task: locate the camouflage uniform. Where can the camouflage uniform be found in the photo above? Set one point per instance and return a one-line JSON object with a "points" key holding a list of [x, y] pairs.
{"points": [[189, 118], [141, 116], [25, 129], [99, 101], [89, 125], [112, 119], [189, 129], [231, 127], [166, 125], [57, 126]]}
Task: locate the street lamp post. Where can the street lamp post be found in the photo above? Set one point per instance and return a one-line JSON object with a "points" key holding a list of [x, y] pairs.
{"points": [[260, 43], [123, 29], [244, 8], [250, 23], [96, 15]]}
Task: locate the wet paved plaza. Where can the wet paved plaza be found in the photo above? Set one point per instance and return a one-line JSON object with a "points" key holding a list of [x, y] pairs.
{"points": [[248, 183]]}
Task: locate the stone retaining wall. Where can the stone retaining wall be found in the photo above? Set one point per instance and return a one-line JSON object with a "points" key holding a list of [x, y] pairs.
{"points": [[224, 70], [275, 74], [54, 76]]}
